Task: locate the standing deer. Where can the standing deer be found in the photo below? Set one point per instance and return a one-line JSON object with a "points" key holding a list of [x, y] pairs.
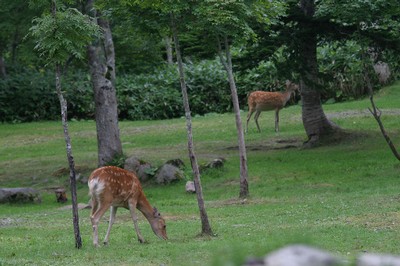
{"points": [[110, 186], [259, 101]]}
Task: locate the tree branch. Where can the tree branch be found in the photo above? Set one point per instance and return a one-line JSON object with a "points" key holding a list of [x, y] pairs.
{"points": [[377, 115]]}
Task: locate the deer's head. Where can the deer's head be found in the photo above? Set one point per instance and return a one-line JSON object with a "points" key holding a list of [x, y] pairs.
{"points": [[291, 86], [158, 225]]}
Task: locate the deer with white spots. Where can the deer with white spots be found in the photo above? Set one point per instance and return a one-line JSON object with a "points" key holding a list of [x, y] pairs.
{"points": [[113, 187], [259, 101]]}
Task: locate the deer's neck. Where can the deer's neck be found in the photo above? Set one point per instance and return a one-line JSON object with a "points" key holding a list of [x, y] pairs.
{"points": [[286, 96], [144, 207]]}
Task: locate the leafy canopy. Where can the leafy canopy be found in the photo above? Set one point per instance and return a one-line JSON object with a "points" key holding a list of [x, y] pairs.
{"points": [[64, 35]]}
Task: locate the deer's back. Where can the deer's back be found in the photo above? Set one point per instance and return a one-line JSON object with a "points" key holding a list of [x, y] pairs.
{"points": [[264, 100], [114, 185]]}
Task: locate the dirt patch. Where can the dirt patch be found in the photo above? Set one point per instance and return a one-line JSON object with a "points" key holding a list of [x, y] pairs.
{"points": [[274, 144], [361, 113], [237, 201], [63, 171], [80, 206], [375, 221], [9, 222]]}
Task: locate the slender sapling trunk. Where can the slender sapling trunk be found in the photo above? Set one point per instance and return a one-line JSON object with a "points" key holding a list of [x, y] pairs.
{"points": [[205, 224], [72, 175]]}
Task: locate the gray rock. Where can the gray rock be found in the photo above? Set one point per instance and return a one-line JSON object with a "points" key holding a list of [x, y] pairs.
{"points": [[139, 167], [378, 260], [216, 163], [168, 173], [177, 162], [300, 255], [190, 187], [19, 195]]}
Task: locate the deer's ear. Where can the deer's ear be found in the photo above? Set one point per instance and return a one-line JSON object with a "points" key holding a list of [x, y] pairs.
{"points": [[287, 83], [156, 213]]}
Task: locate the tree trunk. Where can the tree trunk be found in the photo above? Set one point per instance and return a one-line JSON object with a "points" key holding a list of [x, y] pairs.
{"points": [[244, 186], [168, 49], [205, 224], [315, 121], [102, 70], [72, 176], [3, 72], [64, 120]]}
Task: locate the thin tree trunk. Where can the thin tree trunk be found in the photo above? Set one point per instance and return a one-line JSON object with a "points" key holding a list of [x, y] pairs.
{"points": [[244, 186], [3, 72], [14, 46], [102, 68], [315, 121], [168, 49], [64, 120], [72, 175], [205, 224], [377, 115]]}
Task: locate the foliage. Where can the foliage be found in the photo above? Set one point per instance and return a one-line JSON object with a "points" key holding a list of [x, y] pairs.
{"points": [[342, 69], [151, 96], [30, 96], [157, 95], [64, 35], [267, 75], [118, 160]]}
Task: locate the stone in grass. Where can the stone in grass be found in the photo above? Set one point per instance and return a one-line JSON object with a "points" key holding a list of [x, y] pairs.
{"points": [[168, 173], [19, 195], [141, 168], [177, 162], [214, 164], [378, 260], [300, 255], [190, 188]]}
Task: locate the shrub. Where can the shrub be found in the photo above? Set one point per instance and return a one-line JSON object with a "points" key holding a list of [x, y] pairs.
{"points": [[342, 68], [158, 95], [29, 95]]}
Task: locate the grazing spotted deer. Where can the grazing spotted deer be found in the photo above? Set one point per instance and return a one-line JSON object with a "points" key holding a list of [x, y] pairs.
{"points": [[259, 101], [110, 186]]}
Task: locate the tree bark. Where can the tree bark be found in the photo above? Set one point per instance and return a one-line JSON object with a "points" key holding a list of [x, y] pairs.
{"points": [[227, 63], [315, 121], [168, 49], [72, 175], [3, 72], [377, 115], [205, 224], [102, 69], [64, 119]]}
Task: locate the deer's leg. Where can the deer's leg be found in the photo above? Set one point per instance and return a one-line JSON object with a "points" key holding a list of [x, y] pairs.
{"points": [[95, 218], [132, 208], [277, 120], [256, 119], [113, 212], [251, 111]]}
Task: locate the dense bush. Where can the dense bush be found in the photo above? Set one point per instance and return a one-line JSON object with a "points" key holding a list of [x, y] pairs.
{"points": [[158, 95], [30, 95], [342, 68], [149, 96]]}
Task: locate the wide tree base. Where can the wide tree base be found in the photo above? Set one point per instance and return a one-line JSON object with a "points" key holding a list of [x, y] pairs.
{"points": [[333, 136]]}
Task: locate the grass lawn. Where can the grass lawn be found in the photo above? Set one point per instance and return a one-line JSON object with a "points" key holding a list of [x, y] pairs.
{"points": [[343, 197]]}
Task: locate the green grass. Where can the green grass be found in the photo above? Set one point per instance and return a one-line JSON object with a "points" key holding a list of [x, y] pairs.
{"points": [[343, 197]]}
